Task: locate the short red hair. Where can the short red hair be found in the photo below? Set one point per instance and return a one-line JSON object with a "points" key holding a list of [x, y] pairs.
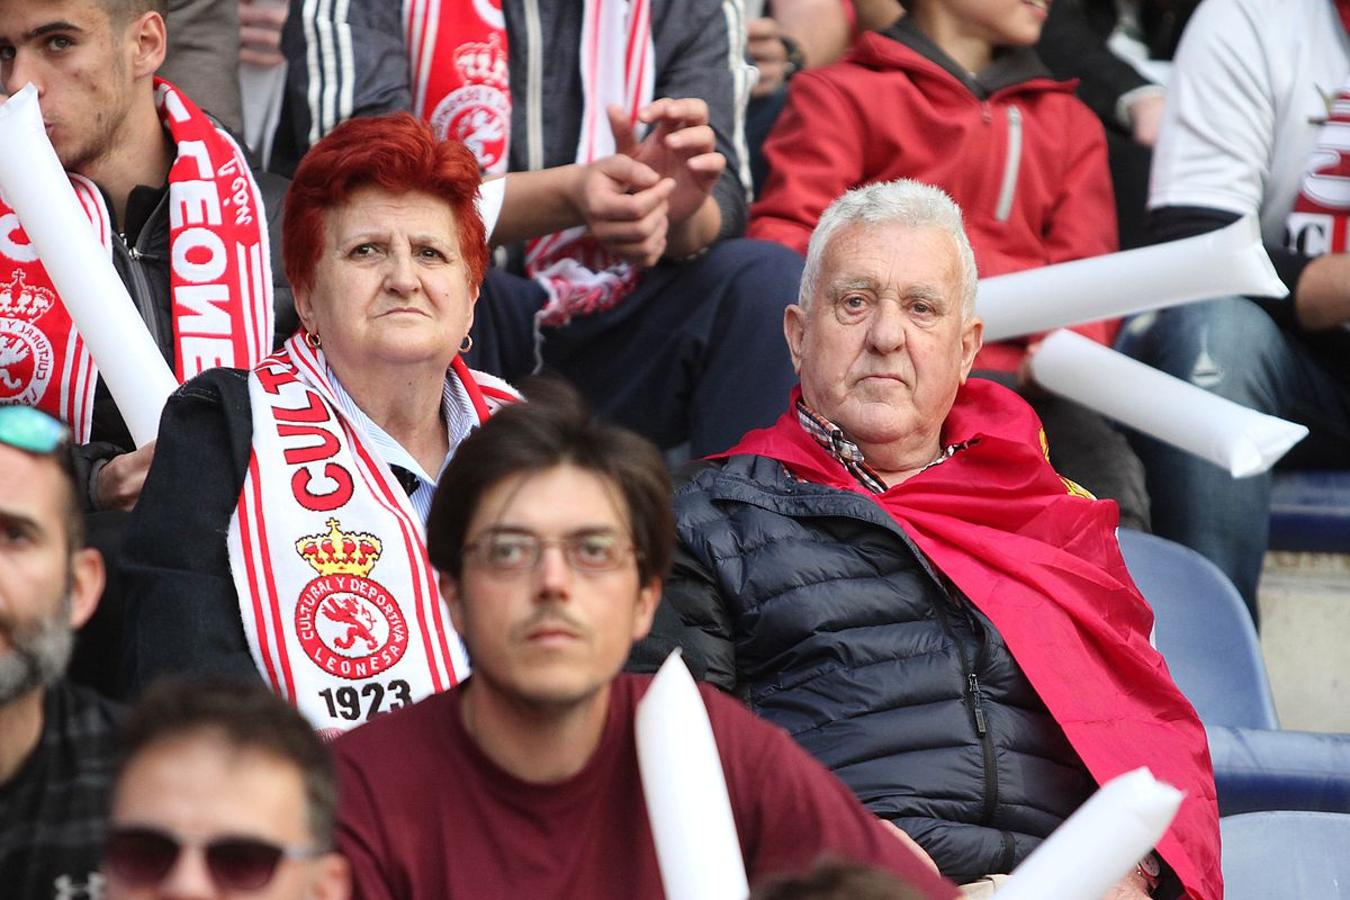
{"points": [[397, 153]]}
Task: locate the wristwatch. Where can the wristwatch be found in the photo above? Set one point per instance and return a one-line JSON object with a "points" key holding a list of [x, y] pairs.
{"points": [[1149, 868], [796, 59]]}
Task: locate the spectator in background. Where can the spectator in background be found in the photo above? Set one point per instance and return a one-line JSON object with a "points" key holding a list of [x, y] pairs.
{"points": [[1256, 112], [122, 134], [203, 56], [954, 96], [646, 304], [57, 741], [895, 574], [790, 36], [1114, 49], [552, 531], [223, 791]]}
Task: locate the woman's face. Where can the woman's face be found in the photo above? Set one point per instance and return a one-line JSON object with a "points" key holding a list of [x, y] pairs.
{"points": [[390, 286]]}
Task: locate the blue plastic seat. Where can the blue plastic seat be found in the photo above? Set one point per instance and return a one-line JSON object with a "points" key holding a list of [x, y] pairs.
{"points": [[1203, 630], [1310, 511], [1205, 634], [1286, 856]]}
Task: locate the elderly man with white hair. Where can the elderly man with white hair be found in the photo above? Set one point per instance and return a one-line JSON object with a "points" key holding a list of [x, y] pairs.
{"points": [[895, 575]]}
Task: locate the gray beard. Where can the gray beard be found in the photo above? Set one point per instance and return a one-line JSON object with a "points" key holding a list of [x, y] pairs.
{"points": [[38, 653]]}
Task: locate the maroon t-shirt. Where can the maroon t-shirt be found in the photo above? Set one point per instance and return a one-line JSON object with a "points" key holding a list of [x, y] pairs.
{"points": [[424, 814]]}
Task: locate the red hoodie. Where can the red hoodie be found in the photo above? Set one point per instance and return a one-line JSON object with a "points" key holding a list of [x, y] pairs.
{"points": [[1024, 159]]}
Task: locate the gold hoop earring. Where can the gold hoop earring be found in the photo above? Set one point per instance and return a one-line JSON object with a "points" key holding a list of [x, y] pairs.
{"points": [[467, 344], [312, 339]]}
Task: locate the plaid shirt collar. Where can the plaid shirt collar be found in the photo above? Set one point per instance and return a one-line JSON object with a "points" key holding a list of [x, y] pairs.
{"points": [[848, 454]]}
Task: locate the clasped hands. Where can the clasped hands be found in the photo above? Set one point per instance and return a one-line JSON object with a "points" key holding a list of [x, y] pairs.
{"points": [[648, 199]]}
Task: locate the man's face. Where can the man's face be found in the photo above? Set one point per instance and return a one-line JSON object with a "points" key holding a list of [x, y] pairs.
{"points": [[84, 67], [883, 346], [551, 636], [198, 789], [44, 589]]}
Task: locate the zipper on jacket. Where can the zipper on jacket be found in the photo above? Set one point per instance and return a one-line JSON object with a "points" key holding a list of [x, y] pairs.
{"points": [[140, 286], [991, 785], [534, 67], [975, 702], [1012, 162]]}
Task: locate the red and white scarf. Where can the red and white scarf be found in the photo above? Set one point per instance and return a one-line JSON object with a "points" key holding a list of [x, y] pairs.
{"points": [[1320, 221], [458, 56], [220, 275], [339, 602]]}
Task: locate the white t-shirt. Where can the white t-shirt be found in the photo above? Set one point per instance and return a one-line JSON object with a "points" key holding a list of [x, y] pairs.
{"points": [[1253, 80]]}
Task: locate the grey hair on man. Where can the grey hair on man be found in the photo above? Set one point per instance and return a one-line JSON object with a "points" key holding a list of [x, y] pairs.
{"points": [[903, 202]]}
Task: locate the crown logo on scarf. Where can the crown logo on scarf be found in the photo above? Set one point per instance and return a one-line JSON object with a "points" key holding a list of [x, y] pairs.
{"points": [[483, 63], [340, 552], [23, 301]]}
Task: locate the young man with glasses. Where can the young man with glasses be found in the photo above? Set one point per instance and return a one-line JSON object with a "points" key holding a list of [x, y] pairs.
{"points": [[56, 740], [224, 791], [552, 533]]}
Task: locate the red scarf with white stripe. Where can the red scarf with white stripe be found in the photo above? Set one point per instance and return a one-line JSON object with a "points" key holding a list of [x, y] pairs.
{"points": [[1320, 220], [338, 599], [458, 58], [220, 276]]}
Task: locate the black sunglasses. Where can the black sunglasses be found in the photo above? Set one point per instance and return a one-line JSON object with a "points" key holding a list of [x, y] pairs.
{"points": [[31, 430], [142, 857]]}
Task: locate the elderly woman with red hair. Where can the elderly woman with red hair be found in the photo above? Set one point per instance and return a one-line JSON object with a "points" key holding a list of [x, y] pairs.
{"points": [[281, 530]]}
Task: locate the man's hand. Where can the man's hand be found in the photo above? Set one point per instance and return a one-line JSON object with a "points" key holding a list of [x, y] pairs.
{"points": [[626, 207], [260, 23], [1145, 118], [911, 845], [121, 480], [681, 145], [768, 54]]}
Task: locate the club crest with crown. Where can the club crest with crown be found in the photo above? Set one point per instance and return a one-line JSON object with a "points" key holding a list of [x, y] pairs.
{"points": [[478, 113], [348, 624], [26, 359]]}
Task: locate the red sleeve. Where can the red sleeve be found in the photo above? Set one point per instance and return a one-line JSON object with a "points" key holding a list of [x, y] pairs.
{"points": [[360, 835], [814, 154], [790, 811], [1083, 221]]}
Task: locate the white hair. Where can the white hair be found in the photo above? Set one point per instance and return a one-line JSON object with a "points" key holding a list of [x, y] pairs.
{"points": [[901, 202]]}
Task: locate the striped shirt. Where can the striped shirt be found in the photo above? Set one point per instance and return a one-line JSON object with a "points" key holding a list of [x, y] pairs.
{"points": [[456, 410]]}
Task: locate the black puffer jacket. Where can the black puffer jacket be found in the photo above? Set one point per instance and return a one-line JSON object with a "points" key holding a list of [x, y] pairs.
{"points": [[814, 607]]}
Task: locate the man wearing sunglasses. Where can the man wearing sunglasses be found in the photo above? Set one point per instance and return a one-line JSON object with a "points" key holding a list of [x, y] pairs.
{"points": [[224, 791], [56, 740], [552, 533]]}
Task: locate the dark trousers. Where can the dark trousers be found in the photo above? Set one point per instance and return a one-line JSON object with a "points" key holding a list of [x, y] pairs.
{"points": [[694, 355]]}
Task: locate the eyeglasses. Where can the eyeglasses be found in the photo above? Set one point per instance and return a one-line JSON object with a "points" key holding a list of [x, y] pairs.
{"points": [[512, 552], [142, 857], [31, 430]]}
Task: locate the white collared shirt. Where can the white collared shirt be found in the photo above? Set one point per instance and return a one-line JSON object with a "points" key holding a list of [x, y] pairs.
{"points": [[456, 410]]}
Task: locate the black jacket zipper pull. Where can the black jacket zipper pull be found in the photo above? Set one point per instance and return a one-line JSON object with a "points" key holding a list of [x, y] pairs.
{"points": [[978, 702]]}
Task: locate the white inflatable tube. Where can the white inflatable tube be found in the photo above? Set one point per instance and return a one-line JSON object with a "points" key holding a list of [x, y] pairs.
{"points": [[37, 188], [1229, 261], [1231, 436], [686, 791], [1099, 844]]}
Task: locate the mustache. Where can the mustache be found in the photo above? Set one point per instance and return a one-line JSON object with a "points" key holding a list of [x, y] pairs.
{"points": [[551, 615]]}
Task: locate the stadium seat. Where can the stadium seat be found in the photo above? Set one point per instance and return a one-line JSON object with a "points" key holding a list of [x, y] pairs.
{"points": [[1310, 512], [1286, 856], [1204, 632]]}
